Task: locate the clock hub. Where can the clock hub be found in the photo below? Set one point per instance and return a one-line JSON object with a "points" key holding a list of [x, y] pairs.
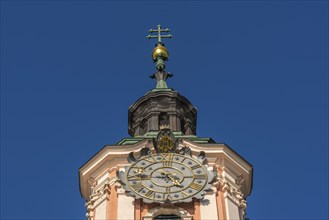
{"points": [[167, 176]]}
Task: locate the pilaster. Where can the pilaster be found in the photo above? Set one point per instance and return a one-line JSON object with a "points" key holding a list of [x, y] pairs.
{"points": [[208, 206], [234, 200], [126, 207]]}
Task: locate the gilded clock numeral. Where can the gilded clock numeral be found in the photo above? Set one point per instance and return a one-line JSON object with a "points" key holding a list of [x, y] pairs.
{"points": [[195, 186], [195, 167], [188, 176], [167, 162], [168, 190], [200, 176], [149, 194], [137, 187], [133, 178], [151, 160], [145, 177], [169, 197], [185, 194], [138, 170]]}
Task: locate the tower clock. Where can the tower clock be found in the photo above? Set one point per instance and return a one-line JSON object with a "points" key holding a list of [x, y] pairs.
{"points": [[169, 176]]}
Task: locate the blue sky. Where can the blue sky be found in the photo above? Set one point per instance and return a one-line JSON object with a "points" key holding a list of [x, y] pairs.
{"points": [[256, 70]]}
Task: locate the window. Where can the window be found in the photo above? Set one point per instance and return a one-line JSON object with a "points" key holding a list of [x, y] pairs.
{"points": [[167, 213], [163, 119], [167, 217]]}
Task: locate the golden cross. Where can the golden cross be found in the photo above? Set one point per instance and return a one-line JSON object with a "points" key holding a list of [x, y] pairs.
{"points": [[159, 36]]}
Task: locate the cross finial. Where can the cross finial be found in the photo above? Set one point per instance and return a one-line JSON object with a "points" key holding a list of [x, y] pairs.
{"points": [[159, 36]]}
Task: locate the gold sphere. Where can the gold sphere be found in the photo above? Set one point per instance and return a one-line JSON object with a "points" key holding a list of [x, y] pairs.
{"points": [[160, 50]]}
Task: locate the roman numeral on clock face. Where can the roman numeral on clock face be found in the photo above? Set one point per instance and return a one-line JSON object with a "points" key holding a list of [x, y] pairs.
{"points": [[184, 194], [195, 167], [168, 197], [200, 176], [137, 187], [167, 162], [183, 159], [145, 177], [133, 178], [150, 160], [168, 190], [149, 194], [195, 186]]}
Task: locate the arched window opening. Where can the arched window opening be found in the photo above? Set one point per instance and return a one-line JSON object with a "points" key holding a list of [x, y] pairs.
{"points": [[163, 119], [182, 126], [170, 213], [167, 217], [143, 127]]}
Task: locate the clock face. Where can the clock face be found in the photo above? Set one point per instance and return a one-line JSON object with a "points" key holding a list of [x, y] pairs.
{"points": [[167, 177]]}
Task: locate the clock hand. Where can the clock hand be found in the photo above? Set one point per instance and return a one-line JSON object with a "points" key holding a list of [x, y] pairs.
{"points": [[174, 181], [164, 172], [175, 176], [140, 170], [138, 173], [161, 177], [164, 175]]}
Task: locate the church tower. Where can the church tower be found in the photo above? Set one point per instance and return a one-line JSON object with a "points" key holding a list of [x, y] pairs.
{"points": [[164, 170]]}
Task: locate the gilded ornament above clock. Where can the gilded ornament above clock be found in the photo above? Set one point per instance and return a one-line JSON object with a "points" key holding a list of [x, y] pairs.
{"points": [[165, 141]]}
